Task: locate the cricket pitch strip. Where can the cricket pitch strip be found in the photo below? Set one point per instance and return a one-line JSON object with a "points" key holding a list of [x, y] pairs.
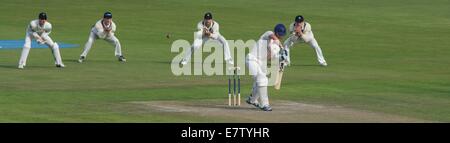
{"points": [[284, 112]]}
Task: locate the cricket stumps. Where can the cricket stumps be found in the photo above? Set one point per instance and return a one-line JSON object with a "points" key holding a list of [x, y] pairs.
{"points": [[234, 76]]}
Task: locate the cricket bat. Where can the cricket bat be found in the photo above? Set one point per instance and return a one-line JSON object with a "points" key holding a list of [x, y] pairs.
{"points": [[278, 80], [279, 77]]}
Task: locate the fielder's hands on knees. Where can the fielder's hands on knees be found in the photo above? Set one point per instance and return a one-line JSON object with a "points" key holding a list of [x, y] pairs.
{"points": [[40, 40]]}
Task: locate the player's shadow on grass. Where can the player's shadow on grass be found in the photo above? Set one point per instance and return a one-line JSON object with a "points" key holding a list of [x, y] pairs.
{"points": [[28, 66], [305, 65], [93, 61], [8, 66], [70, 61]]}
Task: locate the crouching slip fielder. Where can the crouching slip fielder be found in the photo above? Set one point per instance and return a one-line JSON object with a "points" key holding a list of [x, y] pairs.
{"points": [[301, 32], [266, 48], [40, 29], [103, 29], [208, 29]]}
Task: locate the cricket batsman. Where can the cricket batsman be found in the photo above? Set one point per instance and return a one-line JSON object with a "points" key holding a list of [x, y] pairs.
{"points": [[103, 29], [266, 48], [39, 29], [301, 32], [208, 29]]}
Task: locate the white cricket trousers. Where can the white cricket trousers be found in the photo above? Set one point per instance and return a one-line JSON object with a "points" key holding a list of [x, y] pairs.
{"points": [[110, 39], [259, 90], [310, 40], [199, 40], [48, 41]]}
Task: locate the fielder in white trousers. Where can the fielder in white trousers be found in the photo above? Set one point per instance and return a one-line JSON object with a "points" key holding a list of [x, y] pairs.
{"points": [[208, 29], [40, 32], [103, 29], [110, 39], [307, 37], [199, 40]]}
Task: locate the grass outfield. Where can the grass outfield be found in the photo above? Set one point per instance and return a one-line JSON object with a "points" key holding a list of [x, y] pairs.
{"points": [[387, 57]]}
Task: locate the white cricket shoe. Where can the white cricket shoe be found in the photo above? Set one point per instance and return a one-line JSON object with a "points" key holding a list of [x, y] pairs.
{"points": [[122, 59], [248, 101], [60, 65], [266, 108], [21, 66], [324, 64], [82, 58]]}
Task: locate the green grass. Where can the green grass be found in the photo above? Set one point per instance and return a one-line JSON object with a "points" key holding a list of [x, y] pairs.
{"points": [[384, 56]]}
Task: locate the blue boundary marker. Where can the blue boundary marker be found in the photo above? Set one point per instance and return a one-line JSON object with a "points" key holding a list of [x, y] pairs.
{"points": [[18, 44]]}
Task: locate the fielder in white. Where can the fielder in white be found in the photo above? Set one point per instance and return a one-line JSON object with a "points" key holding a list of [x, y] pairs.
{"points": [[301, 32], [266, 48], [208, 29], [40, 29], [103, 29]]}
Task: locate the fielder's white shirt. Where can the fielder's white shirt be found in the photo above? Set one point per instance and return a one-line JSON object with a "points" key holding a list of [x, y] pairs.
{"points": [[34, 27], [307, 32], [306, 28], [99, 28], [213, 28]]}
